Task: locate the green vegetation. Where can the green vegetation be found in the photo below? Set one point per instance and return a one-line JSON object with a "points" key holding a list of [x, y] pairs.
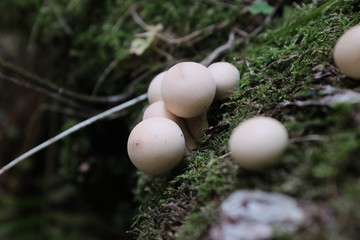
{"points": [[75, 189], [323, 168]]}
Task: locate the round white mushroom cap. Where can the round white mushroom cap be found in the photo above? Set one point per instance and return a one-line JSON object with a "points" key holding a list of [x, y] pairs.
{"points": [[258, 142], [188, 89], [154, 89], [347, 52], [156, 145], [158, 109], [226, 77]]}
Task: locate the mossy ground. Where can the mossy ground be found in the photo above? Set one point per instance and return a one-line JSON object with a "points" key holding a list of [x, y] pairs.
{"points": [[276, 66], [84, 46]]}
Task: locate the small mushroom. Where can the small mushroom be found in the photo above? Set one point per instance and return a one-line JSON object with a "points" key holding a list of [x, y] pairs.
{"points": [[188, 89], [158, 109], [347, 52], [258, 142], [156, 145], [226, 77], [154, 89]]}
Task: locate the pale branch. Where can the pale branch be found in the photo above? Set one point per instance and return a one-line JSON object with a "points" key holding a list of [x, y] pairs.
{"points": [[219, 50], [201, 32], [62, 91], [231, 39], [163, 53], [171, 40], [139, 20], [44, 91], [73, 129]]}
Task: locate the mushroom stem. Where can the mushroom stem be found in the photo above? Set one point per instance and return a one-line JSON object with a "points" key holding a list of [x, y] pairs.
{"points": [[197, 125], [189, 140]]}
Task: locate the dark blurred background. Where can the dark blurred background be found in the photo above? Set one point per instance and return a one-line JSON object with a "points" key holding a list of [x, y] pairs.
{"points": [[82, 186]]}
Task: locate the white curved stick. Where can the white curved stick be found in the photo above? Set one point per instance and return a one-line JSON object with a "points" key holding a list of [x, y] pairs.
{"points": [[73, 129]]}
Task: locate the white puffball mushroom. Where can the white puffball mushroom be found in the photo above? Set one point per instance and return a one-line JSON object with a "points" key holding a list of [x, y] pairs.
{"points": [[188, 89], [156, 145], [158, 109], [154, 89], [347, 52], [258, 142], [226, 77]]}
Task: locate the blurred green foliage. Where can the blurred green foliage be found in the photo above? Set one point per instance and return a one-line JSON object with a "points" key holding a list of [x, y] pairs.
{"points": [[261, 7], [81, 188]]}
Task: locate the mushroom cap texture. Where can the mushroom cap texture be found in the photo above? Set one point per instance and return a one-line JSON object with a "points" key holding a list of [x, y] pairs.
{"points": [[226, 77], [258, 142], [158, 109], [154, 89], [188, 89], [347, 52], [156, 145]]}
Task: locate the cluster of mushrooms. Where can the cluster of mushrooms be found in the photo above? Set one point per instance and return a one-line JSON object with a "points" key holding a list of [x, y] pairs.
{"points": [[180, 97], [177, 117]]}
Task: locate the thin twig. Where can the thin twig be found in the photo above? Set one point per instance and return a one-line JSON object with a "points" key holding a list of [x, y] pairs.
{"points": [[219, 50], [34, 122], [201, 32], [225, 155], [44, 91], [63, 91], [139, 20], [170, 40], [231, 39], [103, 76], [241, 32], [312, 137], [72, 130], [248, 66], [35, 29], [120, 21], [60, 17], [267, 20], [161, 52]]}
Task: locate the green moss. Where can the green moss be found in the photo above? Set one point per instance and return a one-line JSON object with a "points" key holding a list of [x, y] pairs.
{"points": [[320, 165], [196, 223]]}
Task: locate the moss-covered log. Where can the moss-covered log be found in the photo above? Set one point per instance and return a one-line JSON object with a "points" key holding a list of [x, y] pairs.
{"points": [[282, 67], [81, 188]]}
